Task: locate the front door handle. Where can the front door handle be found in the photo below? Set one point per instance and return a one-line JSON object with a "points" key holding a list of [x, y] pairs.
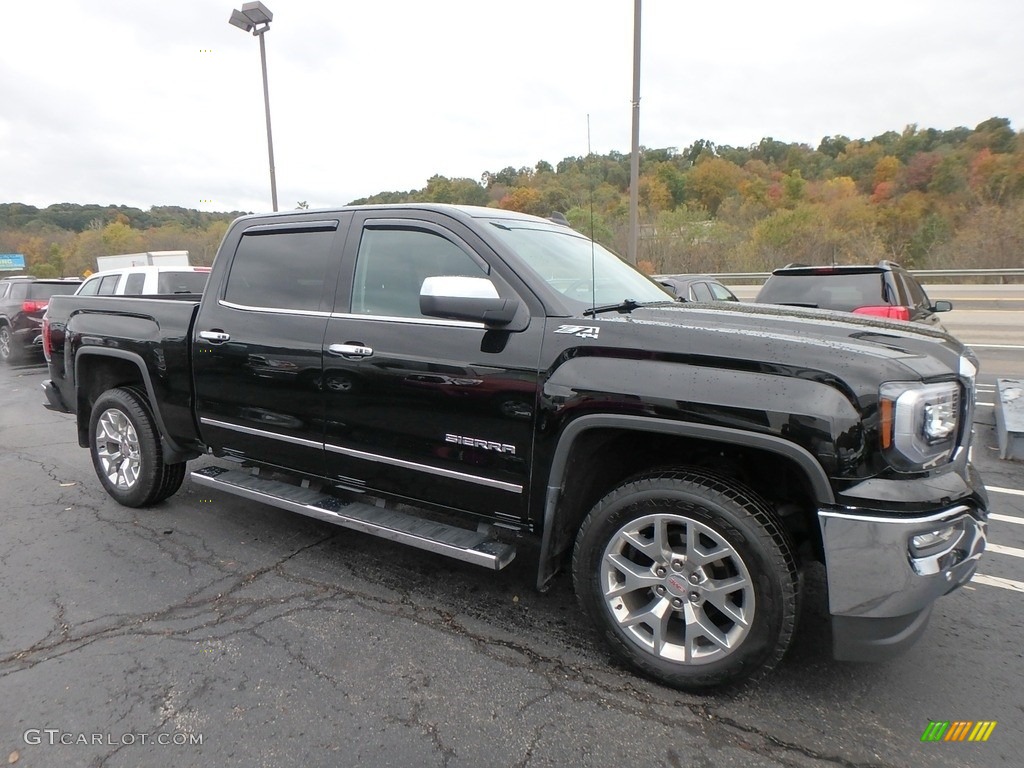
{"points": [[350, 350], [217, 337]]}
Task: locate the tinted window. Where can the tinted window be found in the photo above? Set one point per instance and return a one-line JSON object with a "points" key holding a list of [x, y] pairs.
{"points": [[845, 292], [181, 282], [135, 283], [4, 288], [915, 293], [280, 270], [19, 291], [721, 293], [90, 286], [46, 290], [391, 267], [700, 291], [108, 285]]}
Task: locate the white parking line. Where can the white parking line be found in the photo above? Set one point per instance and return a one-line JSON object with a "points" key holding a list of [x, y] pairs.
{"points": [[999, 549], [996, 346], [989, 405], [995, 581], [1010, 491], [1006, 518]]}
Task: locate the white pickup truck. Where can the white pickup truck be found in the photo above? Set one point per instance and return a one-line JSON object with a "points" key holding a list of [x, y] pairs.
{"points": [[143, 281]]}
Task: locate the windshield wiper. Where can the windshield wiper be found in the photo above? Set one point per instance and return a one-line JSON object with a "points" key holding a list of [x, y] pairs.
{"points": [[626, 305]]}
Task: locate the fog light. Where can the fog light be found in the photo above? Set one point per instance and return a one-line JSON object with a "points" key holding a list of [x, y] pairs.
{"points": [[923, 543]]}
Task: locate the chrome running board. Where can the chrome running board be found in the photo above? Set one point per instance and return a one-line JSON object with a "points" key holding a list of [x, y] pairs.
{"points": [[449, 540]]}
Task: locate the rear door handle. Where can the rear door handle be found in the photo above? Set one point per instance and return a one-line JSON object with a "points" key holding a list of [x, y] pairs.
{"points": [[350, 350], [217, 337]]}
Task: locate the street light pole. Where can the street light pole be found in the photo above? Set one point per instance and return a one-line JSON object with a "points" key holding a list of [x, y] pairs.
{"points": [[634, 161], [266, 104], [255, 17]]}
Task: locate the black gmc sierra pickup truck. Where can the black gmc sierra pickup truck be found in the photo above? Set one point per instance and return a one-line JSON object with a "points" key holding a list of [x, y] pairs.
{"points": [[456, 378]]}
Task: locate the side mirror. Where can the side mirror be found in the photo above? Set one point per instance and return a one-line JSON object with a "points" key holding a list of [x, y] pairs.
{"points": [[466, 298], [942, 306]]}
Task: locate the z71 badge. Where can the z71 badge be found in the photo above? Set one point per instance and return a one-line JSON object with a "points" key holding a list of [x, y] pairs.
{"points": [[583, 331]]}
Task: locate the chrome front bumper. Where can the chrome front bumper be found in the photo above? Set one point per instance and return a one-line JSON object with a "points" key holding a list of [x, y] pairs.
{"points": [[884, 573]]}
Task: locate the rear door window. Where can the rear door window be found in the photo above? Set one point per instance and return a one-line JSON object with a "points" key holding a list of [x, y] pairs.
{"points": [[700, 292], [280, 269], [135, 284], [108, 285]]}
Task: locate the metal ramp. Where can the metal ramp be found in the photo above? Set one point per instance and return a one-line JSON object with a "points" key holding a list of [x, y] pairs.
{"points": [[458, 543]]}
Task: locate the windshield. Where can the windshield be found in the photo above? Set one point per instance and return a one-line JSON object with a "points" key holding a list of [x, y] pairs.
{"points": [[569, 263]]}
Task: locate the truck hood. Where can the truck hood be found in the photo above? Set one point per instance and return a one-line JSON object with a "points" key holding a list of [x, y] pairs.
{"points": [[852, 347]]}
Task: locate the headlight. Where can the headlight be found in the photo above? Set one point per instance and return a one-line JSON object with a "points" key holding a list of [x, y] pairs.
{"points": [[919, 423]]}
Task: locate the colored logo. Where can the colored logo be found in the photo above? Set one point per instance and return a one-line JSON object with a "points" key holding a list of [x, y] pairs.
{"points": [[958, 730]]}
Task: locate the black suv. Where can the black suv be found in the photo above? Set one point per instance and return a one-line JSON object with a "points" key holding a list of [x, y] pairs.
{"points": [[23, 300], [883, 290]]}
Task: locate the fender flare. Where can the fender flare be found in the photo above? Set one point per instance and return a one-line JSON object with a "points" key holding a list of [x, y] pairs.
{"points": [[799, 455], [172, 452]]}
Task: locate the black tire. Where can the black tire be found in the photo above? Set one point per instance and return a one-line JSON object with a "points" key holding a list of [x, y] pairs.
{"points": [[174, 476], [126, 453], [10, 351], [711, 596]]}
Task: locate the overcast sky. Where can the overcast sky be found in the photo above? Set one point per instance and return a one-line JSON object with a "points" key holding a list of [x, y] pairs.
{"points": [[160, 102]]}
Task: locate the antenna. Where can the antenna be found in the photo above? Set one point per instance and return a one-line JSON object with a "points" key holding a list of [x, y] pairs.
{"points": [[593, 254]]}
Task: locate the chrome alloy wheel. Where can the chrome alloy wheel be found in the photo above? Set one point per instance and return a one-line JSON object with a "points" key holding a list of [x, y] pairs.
{"points": [[117, 449], [677, 589]]}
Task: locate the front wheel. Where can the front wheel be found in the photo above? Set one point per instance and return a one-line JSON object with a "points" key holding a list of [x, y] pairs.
{"points": [[691, 578], [126, 452]]}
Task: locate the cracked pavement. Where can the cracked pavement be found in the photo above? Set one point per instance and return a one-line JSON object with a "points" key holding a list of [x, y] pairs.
{"points": [[281, 640]]}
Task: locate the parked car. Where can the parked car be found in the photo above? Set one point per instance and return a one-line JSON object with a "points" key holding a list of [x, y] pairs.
{"points": [[884, 290], [23, 300], [696, 288], [145, 281]]}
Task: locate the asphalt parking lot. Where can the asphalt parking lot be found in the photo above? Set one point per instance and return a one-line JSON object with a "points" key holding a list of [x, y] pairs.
{"points": [[213, 631]]}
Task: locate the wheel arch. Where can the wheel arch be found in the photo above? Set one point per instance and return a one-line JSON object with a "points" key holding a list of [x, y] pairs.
{"points": [[595, 453], [98, 370]]}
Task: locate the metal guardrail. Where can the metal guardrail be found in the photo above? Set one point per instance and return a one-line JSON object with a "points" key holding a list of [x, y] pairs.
{"points": [[1002, 274]]}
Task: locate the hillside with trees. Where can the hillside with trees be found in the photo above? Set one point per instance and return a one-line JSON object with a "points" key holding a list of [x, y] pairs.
{"points": [[927, 198]]}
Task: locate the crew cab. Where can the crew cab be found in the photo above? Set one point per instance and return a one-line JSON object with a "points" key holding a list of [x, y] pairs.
{"points": [[460, 379]]}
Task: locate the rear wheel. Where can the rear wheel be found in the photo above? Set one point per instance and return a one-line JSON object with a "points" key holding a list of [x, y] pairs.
{"points": [[9, 351], [690, 577], [174, 476], [126, 452]]}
